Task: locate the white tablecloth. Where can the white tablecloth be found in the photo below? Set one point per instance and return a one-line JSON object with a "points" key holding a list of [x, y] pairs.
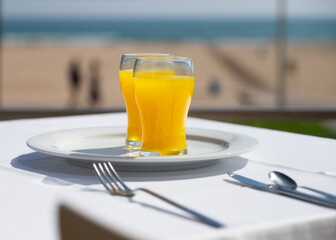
{"points": [[33, 185]]}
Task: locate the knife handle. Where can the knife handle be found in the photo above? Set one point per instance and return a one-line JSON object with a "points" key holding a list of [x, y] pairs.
{"points": [[306, 197]]}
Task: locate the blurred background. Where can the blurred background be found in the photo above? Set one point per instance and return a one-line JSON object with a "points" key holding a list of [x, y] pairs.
{"points": [[268, 63]]}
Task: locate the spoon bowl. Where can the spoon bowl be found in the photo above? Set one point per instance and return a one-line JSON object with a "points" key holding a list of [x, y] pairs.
{"points": [[282, 180]]}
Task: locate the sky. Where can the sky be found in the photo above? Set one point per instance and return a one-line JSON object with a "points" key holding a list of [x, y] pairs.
{"points": [[164, 8]]}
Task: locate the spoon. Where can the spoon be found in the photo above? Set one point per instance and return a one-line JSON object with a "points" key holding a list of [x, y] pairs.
{"points": [[283, 181]]}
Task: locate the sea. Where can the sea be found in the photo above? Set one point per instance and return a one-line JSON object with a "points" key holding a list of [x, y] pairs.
{"points": [[102, 31]]}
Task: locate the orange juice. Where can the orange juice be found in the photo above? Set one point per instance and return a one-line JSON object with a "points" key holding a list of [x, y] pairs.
{"points": [[134, 132], [163, 100]]}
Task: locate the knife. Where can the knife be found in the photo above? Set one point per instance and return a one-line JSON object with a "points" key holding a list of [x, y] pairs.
{"points": [[284, 191]]}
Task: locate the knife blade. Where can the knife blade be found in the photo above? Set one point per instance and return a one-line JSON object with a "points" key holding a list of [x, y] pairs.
{"points": [[284, 191]]}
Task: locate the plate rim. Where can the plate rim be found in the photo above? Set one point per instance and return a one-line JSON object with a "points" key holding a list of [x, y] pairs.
{"points": [[251, 142]]}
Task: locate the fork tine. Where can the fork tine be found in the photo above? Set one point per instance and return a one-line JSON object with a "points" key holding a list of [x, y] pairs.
{"points": [[109, 181], [102, 177], [115, 174], [112, 177], [99, 175]]}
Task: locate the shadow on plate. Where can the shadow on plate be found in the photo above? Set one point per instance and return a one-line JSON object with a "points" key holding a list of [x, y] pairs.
{"points": [[58, 171]]}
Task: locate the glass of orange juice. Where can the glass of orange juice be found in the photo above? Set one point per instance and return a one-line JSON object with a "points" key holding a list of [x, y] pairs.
{"points": [[163, 90], [134, 132]]}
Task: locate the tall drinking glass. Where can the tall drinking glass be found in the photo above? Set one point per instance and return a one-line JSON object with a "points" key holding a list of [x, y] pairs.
{"points": [[134, 132], [163, 89]]}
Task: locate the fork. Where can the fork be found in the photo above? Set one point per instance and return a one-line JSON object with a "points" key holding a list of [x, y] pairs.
{"points": [[114, 185]]}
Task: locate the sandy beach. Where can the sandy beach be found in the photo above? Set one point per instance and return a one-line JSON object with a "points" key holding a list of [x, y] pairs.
{"points": [[227, 75]]}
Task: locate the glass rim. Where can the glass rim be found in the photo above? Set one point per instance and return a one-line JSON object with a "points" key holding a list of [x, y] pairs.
{"points": [[130, 58], [146, 54], [169, 58]]}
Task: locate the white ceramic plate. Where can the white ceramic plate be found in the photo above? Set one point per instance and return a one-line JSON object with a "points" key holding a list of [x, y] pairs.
{"points": [[87, 145]]}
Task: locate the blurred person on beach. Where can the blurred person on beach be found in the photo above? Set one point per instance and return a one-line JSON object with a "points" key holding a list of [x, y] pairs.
{"points": [[75, 80], [214, 87], [94, 83]]}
